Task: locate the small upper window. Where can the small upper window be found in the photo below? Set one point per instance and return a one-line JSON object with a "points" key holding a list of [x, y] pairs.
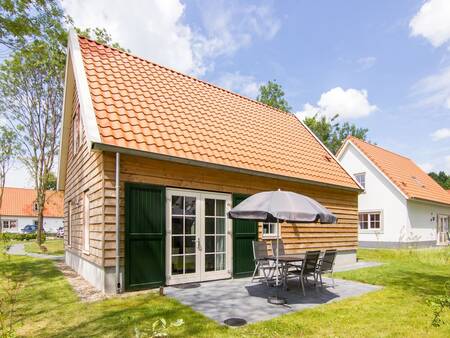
{"points": [[35, 207], [361, 178], [269, 230]]}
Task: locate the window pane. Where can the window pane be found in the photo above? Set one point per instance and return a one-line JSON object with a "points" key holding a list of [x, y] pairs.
{"points": [[209, 207], [265, 228], [177, 205], [220, 243], [189, 244], [209, 262], [177, 225], [177, 265], [220, 225], [220, 262], [209, 225], [189, 205], [177, 245], [189, 262], [220, 208], [209, 243], [189, 223]]}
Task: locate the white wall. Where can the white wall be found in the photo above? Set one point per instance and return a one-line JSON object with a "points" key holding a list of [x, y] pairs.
{"points": [[380, 195], [51, 224], [422, 219]]}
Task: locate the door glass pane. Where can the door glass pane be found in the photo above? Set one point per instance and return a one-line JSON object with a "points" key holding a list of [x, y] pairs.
{"points": [[189, 205], [209, 225], [209, 262], [209, 207], [209, 243], [190, 225], [220, 243], [189, 244], [177, 205], [177, 245], [177, 225], [220, 208], [177, 265], [220, 262], [189, 264], [220, 225]]}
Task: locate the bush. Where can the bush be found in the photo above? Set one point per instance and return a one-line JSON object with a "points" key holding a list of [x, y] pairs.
{"points": [[19, 237]]}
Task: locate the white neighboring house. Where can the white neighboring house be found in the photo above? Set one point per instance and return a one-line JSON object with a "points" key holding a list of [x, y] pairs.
{"points": [[401, 205], [18, 209]]}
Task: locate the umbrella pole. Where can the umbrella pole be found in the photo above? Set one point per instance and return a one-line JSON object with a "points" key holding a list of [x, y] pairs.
{"points": [[276, 264], [277, 300]]}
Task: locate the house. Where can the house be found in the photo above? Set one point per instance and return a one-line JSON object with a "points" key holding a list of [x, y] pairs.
{"points": [[19, 209], [151, 160], [401, 205]]}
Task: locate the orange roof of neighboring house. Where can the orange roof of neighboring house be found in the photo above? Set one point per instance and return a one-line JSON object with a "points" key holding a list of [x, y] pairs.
{"points": [[404, 173], [19, 202], [147, 107]]}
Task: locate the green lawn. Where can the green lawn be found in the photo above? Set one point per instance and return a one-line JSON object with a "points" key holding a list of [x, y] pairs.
{"points": [[47, 307], [54, 247]]}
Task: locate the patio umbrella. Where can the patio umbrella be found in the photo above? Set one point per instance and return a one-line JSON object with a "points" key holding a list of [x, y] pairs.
{"points": [[281, 206]]}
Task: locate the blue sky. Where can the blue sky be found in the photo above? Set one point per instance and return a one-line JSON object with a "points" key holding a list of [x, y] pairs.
{"points": [[384, 65]]}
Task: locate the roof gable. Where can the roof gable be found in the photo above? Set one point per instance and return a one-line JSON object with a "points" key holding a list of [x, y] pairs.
{"points": [[145, 107], [402, 172]]}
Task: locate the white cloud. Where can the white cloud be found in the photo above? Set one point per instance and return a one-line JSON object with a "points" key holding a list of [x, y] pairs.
{"points": [[366, 62], [447, 163], [427, 166], [350, 103], [432, 22], [441, 134], [155, 29], [434, 90], [243, 84]]}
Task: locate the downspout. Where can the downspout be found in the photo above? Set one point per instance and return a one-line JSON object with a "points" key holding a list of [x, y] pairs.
{"points": [[118, 275]]}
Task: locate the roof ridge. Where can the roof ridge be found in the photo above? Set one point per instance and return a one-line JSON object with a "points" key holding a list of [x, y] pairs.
{"points": [[185, 75], [350, 137]]}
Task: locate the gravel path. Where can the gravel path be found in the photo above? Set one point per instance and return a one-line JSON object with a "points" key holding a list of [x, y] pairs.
{"points": [[19, 250]]}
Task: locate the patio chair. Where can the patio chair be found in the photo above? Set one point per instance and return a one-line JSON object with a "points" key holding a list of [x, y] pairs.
{"points": [[308, 268], [326, 264], [281, 249], [262, 264]]}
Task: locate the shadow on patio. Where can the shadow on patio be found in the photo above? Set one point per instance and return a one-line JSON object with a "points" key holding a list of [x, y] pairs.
{"points": [[239, 298]]}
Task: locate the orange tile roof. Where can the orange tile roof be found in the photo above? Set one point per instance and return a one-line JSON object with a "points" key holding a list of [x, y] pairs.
{"points": [[147, 107], [404, 173], [19, 202]]}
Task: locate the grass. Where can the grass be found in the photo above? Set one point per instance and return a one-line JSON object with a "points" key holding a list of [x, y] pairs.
{"points": [[47, 306], [54, 247]]}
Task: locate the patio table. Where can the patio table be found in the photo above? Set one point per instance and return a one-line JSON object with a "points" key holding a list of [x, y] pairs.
{"points": [[284, 261]]}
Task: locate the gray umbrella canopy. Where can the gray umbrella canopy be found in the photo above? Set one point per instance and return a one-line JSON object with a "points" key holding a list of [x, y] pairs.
{"points": [[273, 206]]}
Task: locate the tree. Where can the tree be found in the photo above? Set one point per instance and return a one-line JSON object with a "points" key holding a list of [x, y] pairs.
{"points": [[332, 133], [22, 21], [100, 35], [8, 149], [51, 181], [272, 94], [441, 178]]}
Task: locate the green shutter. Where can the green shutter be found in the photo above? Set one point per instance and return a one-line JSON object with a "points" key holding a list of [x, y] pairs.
{"points": [[244, 232], [144, 236]]}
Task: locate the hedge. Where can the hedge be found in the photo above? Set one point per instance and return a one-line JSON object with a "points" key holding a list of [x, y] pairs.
{"points": [[8, 236]]}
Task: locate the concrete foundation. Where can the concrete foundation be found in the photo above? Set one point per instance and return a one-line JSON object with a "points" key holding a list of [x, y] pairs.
{"points": [[396, 245]]}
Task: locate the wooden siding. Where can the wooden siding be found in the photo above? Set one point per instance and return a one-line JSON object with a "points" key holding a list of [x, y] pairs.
{"points": [[297, 238], [84, 173]]}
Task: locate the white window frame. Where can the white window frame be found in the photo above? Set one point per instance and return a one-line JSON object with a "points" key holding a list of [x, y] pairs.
{"points": [[363, 175], [9, 220], [76, 131], [86, 223], [272, 233], [371, 229]]}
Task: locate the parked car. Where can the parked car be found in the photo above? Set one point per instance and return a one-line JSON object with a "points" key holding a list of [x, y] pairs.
{"points": [[30, 229], [60, 232]]}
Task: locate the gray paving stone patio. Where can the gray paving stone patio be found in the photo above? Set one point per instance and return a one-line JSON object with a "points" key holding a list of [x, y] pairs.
{"points": [[240, 298]]}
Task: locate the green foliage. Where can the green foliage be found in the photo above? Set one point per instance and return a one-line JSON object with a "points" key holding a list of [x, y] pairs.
{"points": [[8, 305], [272, 94], [10, 236], [160, 328], [100, 35], [22, 21], [51, 181], [333, 133], [52, 247], [441, 178]]}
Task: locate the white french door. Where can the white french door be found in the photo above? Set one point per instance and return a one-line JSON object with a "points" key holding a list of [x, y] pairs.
{"points": [[198, 236], [442, 230]]}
